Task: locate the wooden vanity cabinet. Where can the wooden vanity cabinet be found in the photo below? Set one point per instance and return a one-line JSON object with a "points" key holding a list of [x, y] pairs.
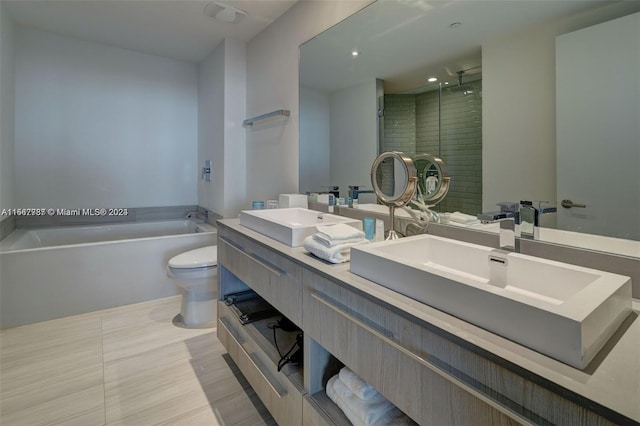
{"points": [[271, 275], [432, 375], [386, 349], [243, 264]]}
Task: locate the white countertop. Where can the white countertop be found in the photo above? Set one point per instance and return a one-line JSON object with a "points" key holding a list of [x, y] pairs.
{"points": [[612, 380]]}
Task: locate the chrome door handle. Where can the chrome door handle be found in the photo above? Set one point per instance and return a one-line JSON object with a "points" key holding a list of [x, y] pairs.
{"points": [[567, 204]]}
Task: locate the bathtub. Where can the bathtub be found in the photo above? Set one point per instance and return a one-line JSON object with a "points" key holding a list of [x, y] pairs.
{"points": [[49, 273]]}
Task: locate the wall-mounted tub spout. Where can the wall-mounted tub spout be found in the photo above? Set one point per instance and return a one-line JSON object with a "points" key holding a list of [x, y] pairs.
{"points": [[198, 215]]}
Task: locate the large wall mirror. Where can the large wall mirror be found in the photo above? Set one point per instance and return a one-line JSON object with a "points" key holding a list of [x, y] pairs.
{"points": [[364, 83]]}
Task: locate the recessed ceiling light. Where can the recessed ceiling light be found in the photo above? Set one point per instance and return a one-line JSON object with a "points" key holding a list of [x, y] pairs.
{"points": [[455, 25], [354, 53], [446, 82], [224, 12], [432, 79]]}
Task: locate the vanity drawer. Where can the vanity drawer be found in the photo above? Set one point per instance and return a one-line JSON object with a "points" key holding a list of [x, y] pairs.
{"points": [[386, 350], [272, 276], [365, 337], [277, 393]]}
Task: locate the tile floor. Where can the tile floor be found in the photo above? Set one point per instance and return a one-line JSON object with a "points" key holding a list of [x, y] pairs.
{"points": [[123, 366]]}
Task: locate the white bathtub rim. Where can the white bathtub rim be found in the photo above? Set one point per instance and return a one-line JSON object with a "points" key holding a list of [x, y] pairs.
{"points": [[95, 243]]}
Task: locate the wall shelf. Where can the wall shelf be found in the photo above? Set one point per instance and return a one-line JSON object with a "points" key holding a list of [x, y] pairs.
{"points": [[279, 114]]}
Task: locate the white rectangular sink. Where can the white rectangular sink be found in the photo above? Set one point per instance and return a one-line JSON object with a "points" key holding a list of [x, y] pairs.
{"points": [[564, 311], [292, 225]]}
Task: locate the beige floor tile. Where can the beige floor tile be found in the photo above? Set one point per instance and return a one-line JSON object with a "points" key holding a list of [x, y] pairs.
{"points": [[128, 366], [157, 358], [129, 332], [234, 409], [52, 371], [49, 337], [204, 415], [83, 407], [158, 311]]}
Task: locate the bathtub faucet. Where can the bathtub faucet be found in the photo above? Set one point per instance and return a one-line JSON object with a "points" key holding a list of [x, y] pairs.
{"points": [[204, 216]]}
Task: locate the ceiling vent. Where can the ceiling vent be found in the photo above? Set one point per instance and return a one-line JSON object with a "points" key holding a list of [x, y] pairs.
{"points": [[223, 12]]}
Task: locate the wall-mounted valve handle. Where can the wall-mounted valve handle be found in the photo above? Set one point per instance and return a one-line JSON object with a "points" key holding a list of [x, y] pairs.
{"points": [[206, 171], [567, 204]]}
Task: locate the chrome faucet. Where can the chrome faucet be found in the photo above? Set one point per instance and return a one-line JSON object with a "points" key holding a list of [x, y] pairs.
{"points": [[202, 215], [332, 189], [527, 217], [508, 229], [530, 219], [355, 191], [508, 234]]}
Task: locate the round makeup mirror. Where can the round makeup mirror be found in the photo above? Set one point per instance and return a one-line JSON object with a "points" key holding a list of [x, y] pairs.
{"points": [[433, 180], [394, 179]]}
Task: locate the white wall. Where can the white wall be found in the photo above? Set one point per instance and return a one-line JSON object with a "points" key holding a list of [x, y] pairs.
{"points": [[315, 136], [211, 129], [354, 140], [221, 137], [272, 83], [235, 153], [518, 108], [102, 126], [7, 134]]}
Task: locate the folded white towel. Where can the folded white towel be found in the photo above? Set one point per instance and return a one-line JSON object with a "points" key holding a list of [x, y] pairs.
{"points": [[393, 417], [326, 243], [337, 254], [359, 387], [463, 218], [338, 233], [362, 412], [346, 408]]}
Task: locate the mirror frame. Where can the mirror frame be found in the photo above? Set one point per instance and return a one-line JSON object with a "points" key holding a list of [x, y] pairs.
{"points": [[412, 179], [444, 180]]}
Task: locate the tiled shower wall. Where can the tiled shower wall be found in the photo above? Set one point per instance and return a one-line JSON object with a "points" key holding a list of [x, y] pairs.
{"points": [[400, 123], [411, 126]]}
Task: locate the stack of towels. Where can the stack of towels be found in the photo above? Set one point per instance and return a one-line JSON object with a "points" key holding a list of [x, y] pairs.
{"points": [[333, 242], [463, 219], [361, 403]]}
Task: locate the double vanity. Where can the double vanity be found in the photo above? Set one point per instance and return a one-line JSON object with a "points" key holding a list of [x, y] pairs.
{"points": [[450, 332]]}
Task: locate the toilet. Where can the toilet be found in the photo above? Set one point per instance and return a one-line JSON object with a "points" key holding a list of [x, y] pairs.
{"points": [[196, 273]]}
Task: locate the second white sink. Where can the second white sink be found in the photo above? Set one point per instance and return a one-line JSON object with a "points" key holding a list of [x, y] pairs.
{"points": [[561, 310], [292, 225]]}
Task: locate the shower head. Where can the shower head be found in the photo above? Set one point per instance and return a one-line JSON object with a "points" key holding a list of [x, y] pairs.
{"points": [[466, 89]]}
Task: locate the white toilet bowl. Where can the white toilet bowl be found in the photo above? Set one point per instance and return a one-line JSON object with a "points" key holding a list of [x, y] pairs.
{"points": [[196, 272]]}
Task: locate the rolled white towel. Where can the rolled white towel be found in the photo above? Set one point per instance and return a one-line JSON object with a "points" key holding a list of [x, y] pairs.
{"points": [[364, 412], [337, 254], [463, 218], [338, 233], [359, 387]]}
